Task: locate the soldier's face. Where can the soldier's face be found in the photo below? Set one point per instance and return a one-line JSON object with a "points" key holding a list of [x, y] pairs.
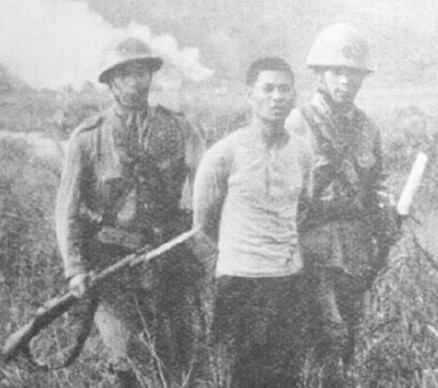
{"points": [[341, 83], [130, 84], [272, 96]]}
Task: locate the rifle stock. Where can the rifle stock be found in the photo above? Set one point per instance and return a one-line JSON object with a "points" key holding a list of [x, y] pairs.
{"points": [[45, 315], [18, 342], [412, 184]]}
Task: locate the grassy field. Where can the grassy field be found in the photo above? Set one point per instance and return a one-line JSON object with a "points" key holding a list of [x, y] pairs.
{"points": [[399, 345]]}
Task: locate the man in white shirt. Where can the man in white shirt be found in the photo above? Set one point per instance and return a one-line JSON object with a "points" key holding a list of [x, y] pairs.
{"points": [[245, 200]]}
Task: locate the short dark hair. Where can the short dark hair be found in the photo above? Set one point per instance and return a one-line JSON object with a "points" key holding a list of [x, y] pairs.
{"points": [[267, 64]]}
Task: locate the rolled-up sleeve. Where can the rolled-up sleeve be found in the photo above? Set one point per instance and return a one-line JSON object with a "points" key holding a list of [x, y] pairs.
{"points": [[69, 232]]}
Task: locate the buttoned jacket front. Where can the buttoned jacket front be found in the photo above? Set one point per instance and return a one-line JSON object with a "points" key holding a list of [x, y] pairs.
{"points": [[129, 179]]}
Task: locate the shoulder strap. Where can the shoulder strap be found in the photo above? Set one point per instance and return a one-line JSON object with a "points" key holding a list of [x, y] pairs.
{"points": [[89, 124]]}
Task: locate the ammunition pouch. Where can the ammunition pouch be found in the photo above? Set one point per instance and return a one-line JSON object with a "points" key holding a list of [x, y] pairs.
{"points": [[156, 235], [127, 240]]}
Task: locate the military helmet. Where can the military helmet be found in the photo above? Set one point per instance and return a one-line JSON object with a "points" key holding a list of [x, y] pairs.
{"points": [[123, 51], [339, 45]]}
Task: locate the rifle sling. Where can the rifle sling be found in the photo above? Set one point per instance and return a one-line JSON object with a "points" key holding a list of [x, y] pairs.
{"points": [[71, 354]]}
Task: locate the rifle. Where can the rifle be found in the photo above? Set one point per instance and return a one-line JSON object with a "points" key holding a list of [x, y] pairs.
{"points": [[412, 184], [394, 214], [19, 342]]}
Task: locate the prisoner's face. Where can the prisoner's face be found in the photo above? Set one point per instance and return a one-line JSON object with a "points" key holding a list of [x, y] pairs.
{"points": [[272, 96], [342, 84], [130, 84]]}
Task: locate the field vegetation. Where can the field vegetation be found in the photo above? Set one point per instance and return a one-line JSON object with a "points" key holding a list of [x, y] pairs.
{"points": [[399, 342]]}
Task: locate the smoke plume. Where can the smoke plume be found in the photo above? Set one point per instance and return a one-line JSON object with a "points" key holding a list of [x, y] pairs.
{"points": [[53, 43]]}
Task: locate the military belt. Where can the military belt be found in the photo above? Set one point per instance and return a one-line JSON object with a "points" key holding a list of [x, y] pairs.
{"points": [[127, 240]]}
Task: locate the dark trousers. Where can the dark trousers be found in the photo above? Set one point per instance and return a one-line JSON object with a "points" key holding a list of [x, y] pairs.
{"points": [[340, 259], [337, 308], [260, 331], [151, 320]]}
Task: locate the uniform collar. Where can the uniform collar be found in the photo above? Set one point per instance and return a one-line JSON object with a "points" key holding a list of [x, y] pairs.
{"points": [[124, 113], [326, 101], [339, 128], [129, 125], [253, 138]]}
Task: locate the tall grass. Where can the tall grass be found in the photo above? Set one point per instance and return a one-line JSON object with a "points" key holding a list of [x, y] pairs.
{"points": [[399, 342]]}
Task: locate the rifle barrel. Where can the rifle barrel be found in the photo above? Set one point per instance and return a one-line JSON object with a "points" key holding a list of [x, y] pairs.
{"points": [[19, 340]]}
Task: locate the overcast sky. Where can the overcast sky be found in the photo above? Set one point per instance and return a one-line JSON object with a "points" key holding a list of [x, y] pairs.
{"points": [[50, 43]]}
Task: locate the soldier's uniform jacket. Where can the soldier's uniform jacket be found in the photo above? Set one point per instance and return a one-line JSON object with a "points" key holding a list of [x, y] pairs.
{"points": [[348, 161], [121, 183], [346, 180]]}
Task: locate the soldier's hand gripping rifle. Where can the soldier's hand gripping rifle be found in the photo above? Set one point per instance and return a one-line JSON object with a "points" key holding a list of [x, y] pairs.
{"points": [[394, 214], [18, 343], [408, 193]]}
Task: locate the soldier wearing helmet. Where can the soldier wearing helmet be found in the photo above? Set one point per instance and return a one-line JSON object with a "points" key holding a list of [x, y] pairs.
{"points": [[345, 225], [120, 190]]}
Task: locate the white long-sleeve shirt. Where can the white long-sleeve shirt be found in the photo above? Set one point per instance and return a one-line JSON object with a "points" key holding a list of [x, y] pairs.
{"points": [[247, 195]]}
